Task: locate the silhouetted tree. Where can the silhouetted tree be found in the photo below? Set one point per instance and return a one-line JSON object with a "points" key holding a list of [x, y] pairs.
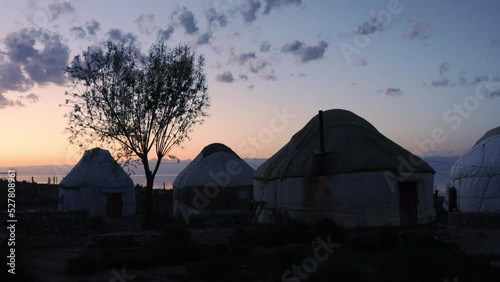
{"points": [[136, 103]]}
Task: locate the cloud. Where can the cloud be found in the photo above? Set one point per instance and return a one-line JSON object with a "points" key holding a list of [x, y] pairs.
{"points": [[271, 4], [226, 77], [256, 66], [305, 53], [59, 8], [485, 78], [187, 20], [443, 82], [393, 92], [292, 47], [244, 77], [166, 33], [270, 77], [242, 58], [251, 86], [21, 45], [117, 35], [444, 67], [92, 27], [40, 54], [216, 18], [418, 31], [313, 52], [493, 93], [265, 46], [12, 78], [146, 23], [78, 32], [361, 62], [461, 78], [5, 102], [32, 98], [204, 38], [250, 60], [249, 10], [375, 24]]}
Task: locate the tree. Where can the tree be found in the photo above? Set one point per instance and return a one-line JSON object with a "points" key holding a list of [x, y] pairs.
{"points": [[136, 103]]}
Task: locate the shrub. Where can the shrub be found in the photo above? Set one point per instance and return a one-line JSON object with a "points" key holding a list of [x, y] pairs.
{"points": [[96, 223], [83, 265], [214, 270]]}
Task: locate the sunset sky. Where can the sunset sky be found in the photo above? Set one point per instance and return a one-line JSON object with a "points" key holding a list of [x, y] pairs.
{"points": [[416, 70]]}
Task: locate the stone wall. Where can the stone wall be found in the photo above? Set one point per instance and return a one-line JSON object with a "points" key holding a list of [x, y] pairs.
{"points": [[463, 219], [49, 223]]}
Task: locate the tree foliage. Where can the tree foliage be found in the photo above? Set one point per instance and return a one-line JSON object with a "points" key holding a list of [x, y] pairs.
{"points": [[140, 103]]}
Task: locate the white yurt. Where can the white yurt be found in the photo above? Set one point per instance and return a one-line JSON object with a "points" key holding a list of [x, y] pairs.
{"points": [[98, 184], [476, 177], [217, 181], [341, 168]]}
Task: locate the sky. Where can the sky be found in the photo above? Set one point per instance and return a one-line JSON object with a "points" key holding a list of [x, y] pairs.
{"points": [[426, 74]]}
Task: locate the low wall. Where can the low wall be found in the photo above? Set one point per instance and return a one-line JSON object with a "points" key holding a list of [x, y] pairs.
{"points": [[49, 223], [491, 221]]}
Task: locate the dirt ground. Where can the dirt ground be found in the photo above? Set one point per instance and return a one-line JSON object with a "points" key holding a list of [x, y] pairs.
{"points": [[47, 258], [476, 241], [47, 262]]}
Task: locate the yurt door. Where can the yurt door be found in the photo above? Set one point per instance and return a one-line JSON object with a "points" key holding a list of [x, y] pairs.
{"points": [[114, 205], [408, 212]]}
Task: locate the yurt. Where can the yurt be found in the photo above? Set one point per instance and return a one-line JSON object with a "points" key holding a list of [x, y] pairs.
{"points": [[98, 184], [339, 167], [475, 177], [217, 181]]}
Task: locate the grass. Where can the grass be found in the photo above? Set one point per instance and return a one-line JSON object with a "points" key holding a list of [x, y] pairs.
{"points": [[265, 253]]}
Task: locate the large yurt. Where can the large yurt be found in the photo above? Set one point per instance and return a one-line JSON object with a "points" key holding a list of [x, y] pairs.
{"points": [[339, 167], [216, 182], [97, 183], [475, 177]]}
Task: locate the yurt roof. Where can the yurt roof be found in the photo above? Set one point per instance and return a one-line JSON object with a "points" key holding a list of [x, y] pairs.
{"points": [[480, 161], [97, 168], [215, 148], [488, 134], [351, 144], [212, 162]]}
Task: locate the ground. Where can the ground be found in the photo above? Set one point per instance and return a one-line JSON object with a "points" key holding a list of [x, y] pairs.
{"points": [[238, 253]]}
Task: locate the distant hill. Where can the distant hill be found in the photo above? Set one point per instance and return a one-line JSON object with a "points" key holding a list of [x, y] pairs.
{"points": [[170, 168]]}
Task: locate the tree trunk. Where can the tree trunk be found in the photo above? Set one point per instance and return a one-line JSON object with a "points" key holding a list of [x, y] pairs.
{"points": [[149, 198], [150, 176], [148, 203]]}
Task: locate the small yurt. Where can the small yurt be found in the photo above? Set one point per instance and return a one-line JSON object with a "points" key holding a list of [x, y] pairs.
{"points": [[98, 184], [475, 177], [217, 181], [341, 168]]}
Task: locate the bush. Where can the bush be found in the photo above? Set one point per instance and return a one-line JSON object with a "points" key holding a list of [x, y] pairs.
{"points": [[387, 237], [83, 265], [175, 233], [214, 270], [174, 246], [326, 227], [275, 235], [214, 250], [96, 223]]}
